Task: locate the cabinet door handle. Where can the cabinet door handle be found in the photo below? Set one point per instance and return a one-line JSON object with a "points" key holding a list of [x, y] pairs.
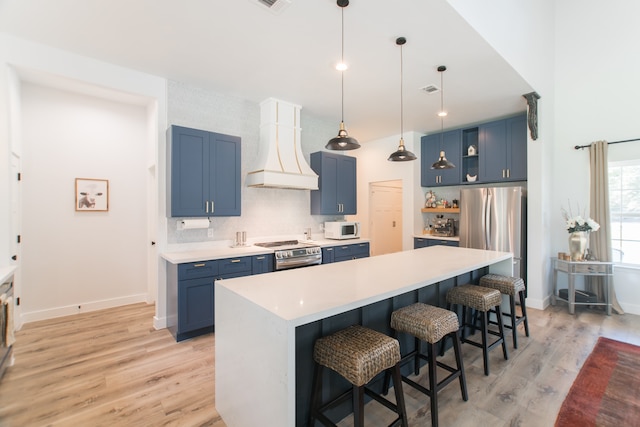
{"points": [[260, 257], [235, 260], [503, 173], [207, 206], [508, 173], [329, 249], [212, 207], [199, 265]]}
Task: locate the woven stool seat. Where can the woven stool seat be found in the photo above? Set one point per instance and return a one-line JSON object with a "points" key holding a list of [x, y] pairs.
{"points": [[505, 284], [476, 297], [510, 286], [425, 322], [431, 325], [357, 353], [484, 301]]}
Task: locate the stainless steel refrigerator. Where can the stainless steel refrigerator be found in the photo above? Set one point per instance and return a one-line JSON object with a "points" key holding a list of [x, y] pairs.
{"points": [[494, 218]]}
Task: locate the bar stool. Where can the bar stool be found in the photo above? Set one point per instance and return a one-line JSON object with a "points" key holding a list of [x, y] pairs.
{"points": [[358, 354], [429, 324], [511, 286], [473, 297]]}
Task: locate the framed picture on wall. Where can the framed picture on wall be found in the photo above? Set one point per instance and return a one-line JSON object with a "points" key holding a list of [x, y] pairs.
{"points": [[92, 195]]}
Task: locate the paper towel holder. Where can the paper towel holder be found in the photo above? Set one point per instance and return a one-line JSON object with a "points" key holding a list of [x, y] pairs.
{"points": [[187, 224]]}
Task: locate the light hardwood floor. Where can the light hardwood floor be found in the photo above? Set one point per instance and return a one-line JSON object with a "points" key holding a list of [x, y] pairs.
{"points": [[111, 368]]}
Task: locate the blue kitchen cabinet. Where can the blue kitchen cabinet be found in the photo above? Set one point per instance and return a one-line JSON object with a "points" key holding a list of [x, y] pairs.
{"points": [[421, 242], [262, 264], [328, 255], [336, 194], [345, 252], [437, 242], [190, 291], [203, 173], [502, 146], [190, 298], [451, 143], [235, 267], [195, 307]]}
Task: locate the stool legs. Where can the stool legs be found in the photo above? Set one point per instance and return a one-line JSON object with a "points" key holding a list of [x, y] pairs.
{"points": [[357, 398], [484, 333], [434, 386]]}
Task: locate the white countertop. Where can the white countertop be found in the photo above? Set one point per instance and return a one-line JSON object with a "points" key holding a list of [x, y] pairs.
{"points": [[300, 297], [178, 254], [5, 272]]}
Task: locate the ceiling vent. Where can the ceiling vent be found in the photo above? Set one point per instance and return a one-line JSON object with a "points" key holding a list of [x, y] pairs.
{"points": [[431, 88], [275, 6]]}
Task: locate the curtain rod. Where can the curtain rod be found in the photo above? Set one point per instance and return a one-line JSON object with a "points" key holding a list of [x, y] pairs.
{"points": [[580, 147]]}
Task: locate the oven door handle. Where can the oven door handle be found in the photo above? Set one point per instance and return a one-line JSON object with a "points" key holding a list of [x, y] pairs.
{"points": [[294, 262]]}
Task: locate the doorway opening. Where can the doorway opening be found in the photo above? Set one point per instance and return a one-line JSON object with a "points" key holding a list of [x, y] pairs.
{"points": [[385, 216]]}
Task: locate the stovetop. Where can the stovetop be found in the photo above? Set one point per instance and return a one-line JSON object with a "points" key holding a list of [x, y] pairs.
{"points": [[285, 244]]}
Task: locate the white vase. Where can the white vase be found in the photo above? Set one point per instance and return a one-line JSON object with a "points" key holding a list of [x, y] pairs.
{"points": [[578, 244]]}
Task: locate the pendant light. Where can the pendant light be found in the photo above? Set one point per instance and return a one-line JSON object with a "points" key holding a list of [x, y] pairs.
{"points": [[343, 141], [402, 154], [442, 162]]}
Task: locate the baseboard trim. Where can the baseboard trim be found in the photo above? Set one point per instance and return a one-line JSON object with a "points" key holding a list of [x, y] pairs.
{"points": [[84, 307]]}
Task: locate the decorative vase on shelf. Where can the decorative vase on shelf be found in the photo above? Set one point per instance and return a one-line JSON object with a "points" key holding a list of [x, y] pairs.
{"points": [[578, 244]]}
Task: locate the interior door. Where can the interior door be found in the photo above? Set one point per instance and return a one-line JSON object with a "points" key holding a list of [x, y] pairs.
{"points": [[386, 217]]}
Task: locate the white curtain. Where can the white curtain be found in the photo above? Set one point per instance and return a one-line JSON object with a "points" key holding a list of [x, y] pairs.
{"points": [[600, 241]]}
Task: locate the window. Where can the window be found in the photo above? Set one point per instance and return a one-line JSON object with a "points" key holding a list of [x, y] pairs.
{"points": [[624, 204]]}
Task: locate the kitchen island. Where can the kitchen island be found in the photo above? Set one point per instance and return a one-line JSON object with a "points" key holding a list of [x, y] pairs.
{"points": [[266, 325]]}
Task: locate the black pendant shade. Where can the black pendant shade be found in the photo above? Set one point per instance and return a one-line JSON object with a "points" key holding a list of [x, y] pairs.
{"points": [[343, 141], [442, 163], [401, 154]]}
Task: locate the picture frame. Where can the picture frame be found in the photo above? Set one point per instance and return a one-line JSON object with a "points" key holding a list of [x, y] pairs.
{"points": [[92, 195]]}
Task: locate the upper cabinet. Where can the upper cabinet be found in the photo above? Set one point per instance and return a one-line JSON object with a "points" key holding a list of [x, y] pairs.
{"points": [[489, 152], [336, 194], [203, 173], [431, 145], [503, 150]]}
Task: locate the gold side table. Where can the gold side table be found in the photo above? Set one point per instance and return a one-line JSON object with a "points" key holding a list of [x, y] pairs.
{"points": [[582, 268]]}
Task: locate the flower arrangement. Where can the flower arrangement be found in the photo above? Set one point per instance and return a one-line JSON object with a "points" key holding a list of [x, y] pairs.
{"points": [[578, 223]]}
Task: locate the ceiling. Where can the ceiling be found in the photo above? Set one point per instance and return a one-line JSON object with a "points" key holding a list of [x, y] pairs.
{"points": [[243, 49]]}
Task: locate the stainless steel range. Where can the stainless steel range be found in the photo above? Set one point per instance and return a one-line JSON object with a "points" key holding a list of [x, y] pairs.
{"points": [[293, 254]]}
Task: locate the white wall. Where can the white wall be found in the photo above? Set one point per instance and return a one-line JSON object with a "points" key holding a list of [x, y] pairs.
{"points": [[55, 68], [373, 166], [579, 56], [81, 259], [597, 69]]}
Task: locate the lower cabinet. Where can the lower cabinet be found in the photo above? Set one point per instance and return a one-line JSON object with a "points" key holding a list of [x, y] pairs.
{"points": [[422, 242], [262, 264], [190, 291], [345, 252]]}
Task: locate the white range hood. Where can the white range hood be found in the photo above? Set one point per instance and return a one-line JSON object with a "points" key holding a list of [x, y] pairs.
{"points": [[280, 160]]}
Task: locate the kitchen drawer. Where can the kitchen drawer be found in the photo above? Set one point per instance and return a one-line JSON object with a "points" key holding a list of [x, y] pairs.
{"points": [[352, 251], [194, 270], [262, 264], [234, 267]]}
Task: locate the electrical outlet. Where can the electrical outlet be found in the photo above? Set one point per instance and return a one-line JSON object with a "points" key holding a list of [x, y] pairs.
{"points": [[210, 232]]}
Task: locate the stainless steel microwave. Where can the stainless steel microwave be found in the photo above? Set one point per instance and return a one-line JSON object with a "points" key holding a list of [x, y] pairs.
{"points": [[341, 230]]}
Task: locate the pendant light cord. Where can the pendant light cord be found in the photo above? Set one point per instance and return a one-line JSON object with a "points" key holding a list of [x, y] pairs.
{"points": [[441, 102], [342, 71], [401, 99]]}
